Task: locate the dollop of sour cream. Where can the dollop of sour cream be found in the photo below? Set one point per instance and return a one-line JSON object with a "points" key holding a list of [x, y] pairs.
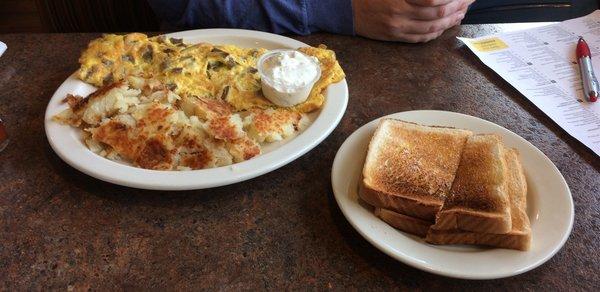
{"points": [[287, 76], [287, 71]]}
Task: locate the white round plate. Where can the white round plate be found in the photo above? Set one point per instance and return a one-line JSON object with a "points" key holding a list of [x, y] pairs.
{"points": [[550, 207], [67, 143]]}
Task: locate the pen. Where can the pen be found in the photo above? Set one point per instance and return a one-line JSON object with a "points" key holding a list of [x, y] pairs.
{"points": [[584, 58]]}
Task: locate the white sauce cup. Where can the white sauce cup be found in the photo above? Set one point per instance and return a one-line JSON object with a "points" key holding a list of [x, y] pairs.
{"points": [[284, 99]]}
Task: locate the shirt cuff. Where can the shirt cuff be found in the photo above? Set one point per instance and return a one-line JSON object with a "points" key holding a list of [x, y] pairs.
{"points": [[333, 16]]}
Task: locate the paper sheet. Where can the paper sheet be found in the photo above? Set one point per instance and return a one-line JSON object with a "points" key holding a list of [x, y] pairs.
{"points": [[2, 48], [541, 64]]}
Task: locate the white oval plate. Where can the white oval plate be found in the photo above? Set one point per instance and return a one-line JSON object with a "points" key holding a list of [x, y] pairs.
{"points": [[550, 207], [67, 143]]}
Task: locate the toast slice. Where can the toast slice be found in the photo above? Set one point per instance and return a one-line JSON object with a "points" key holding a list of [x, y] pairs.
{"points": [[519, 236], [402, 222], [409, 168], [478, 200]]}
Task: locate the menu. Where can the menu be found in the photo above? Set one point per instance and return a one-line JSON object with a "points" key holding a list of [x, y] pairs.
{"points": [[541, 64]]}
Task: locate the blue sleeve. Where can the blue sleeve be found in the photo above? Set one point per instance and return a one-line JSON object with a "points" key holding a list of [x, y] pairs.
{"points": [[278, 16]]}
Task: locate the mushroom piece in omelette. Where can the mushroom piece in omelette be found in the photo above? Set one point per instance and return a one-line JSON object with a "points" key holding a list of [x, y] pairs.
{"points": [[166, 105]]}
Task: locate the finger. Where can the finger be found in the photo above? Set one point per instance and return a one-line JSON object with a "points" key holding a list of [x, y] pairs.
{"points": [[461, 17], [459, 21], [429, 2], [468, 4], [464, 12], [425, 27], [436, 12], [417, 38]]}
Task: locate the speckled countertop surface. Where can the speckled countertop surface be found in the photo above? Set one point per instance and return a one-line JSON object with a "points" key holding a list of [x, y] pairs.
{"points": [[61, 229]]}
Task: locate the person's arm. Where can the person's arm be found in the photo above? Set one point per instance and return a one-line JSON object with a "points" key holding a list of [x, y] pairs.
{"points": [[410, 21], [393, 20], [278, 16]]}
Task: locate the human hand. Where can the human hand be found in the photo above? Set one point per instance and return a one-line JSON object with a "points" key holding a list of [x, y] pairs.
{"points": [[412, 21]]}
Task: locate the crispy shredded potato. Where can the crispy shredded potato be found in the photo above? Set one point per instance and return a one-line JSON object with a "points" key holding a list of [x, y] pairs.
{"points": [[147, 125]]}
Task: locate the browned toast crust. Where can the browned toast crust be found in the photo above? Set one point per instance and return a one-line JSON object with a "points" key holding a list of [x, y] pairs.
{"points": [[520, 241], [472, 221], [398, 203], [402, 222], [517, 189]]}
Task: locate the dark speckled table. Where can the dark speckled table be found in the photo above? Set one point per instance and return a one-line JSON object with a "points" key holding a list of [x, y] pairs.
{"points": [[61, 229]]}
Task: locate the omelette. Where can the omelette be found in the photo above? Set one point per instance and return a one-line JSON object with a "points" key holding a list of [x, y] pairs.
{"points": [[166, 105], [203, 70]]}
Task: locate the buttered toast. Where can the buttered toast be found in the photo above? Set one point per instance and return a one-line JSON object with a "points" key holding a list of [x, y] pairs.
{"points": [[478, 200], [409, 168], [519, 237]]}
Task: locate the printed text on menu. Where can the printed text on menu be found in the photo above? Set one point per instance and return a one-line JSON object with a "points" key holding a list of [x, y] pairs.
{"points": [[540, 63]]}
